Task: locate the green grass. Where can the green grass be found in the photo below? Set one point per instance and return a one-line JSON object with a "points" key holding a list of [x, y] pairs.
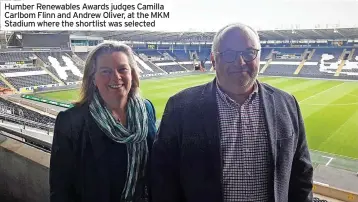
{"points": [[329, 108]]}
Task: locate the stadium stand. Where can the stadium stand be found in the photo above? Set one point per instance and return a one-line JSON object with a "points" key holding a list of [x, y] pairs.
{"points": [[58, 65], [32, 80], [158, 63], [61, 65], [284, 61], [15, 56], [171, 67], [45, 61], [146, 66], [17, 68], [82, 55], [326, 62], [23, 116], [181, 55], [13, 69]]}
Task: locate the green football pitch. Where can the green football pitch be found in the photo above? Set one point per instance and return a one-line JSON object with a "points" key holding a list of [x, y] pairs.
{"points": [[329, 108]]}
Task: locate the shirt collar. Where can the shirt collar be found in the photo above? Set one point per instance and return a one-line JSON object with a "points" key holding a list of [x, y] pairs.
{"points": [[228, 100]]}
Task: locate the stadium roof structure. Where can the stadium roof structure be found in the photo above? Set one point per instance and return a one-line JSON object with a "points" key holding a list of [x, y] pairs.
{"points": [[281, 35]]}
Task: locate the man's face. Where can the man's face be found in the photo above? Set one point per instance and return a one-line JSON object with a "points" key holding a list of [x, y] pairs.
{"points": [[237, 73]]}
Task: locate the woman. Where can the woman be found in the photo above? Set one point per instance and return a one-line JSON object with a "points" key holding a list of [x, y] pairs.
{"points": [[101, 147]]}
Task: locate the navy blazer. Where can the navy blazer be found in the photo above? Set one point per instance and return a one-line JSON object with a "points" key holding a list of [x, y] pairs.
{"points": [[186, 161], [81, 159]]}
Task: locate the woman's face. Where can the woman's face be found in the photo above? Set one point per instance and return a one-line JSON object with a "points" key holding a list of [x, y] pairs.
{"points": [[113, 77]]}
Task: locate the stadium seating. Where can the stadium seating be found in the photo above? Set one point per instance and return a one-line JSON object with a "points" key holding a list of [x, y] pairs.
{"points": [[29, 81], [13, 70], [82, 55], [288, 54], [171, 54], [265, 52], [15, 113], [15, 56], [351, 65], [144, 68], [171, 68], [67, 70], [153, 67], [204, 54], [190, 66], [308, 62], [150, 54], [21, 74], [157, 62], [335, 52], [283, 70], [67, 66], [181, 55], [284, 60]]}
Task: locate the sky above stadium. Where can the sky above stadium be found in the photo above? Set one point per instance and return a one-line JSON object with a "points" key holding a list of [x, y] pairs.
{"points": [[207, 15]]}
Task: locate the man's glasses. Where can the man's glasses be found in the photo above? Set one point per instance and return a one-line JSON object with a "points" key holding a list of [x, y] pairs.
{"points": [[231, 55]]}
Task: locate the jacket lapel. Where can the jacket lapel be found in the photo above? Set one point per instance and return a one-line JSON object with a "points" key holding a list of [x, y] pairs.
{"points": [[268, 100], [97, 140], [210, 119]]}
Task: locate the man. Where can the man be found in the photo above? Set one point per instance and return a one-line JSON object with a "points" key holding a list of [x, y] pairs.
{"points": [[233, 139]]}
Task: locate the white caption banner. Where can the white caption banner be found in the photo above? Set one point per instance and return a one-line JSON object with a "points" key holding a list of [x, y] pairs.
{"points": [[84, 15]]}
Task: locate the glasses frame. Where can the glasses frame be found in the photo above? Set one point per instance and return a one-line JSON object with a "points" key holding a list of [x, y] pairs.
{"points": [[240, 54]]}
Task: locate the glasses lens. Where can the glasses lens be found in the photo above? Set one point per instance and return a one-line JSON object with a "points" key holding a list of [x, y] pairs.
{"points": [[249, 55], [229, 56]]}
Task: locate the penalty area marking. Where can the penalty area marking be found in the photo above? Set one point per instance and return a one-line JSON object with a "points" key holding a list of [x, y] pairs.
{"points": [[329, 161]]}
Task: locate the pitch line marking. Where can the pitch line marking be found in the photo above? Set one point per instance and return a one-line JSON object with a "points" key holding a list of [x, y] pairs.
{"points": [[332, 154], [330, 159], [320, 92], [334, 133], [345, 104]]}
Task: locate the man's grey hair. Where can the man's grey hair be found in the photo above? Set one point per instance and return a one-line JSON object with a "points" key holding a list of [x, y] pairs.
{"points": [[219, 35]]}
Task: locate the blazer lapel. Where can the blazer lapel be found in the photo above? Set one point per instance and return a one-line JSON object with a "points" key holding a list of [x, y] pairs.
{"points": [[99, 148], [268, 100], [210, 126]]}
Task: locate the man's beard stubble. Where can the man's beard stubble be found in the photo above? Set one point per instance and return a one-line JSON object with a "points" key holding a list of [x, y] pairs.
{"points": [[245, 75]]}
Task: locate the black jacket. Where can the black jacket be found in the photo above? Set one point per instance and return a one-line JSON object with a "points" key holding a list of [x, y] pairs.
{"points": [[186, 161], [85, 165]]}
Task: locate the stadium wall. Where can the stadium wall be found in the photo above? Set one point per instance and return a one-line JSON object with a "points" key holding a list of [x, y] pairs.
{"points": [[23, 172], [58, 88], [326, 190]]}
